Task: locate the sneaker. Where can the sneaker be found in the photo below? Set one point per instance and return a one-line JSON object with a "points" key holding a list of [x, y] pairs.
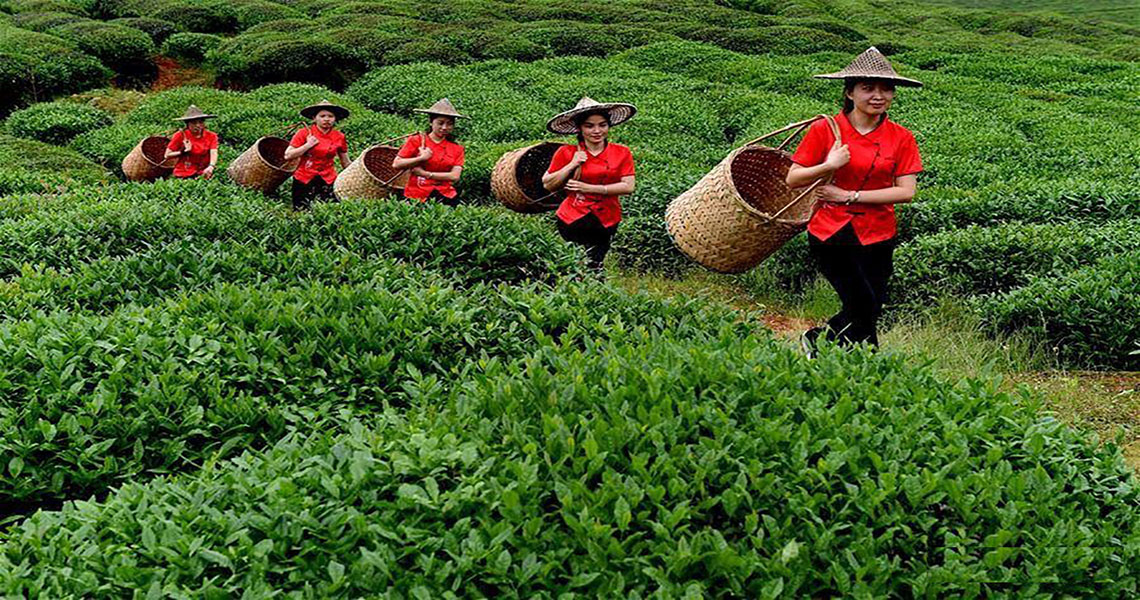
{"points": [[808, 340]]}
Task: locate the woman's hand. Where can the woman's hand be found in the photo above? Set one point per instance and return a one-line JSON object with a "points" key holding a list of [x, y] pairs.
{"points": [[425, 153], [579, 158], [838, 156], [208, 172], [573, 185], [311, 141], [186, 146], [831, 193]]}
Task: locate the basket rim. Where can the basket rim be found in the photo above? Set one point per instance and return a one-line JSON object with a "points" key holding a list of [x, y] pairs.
{"points": [[739, 198], [257, 153], [158, 165]]}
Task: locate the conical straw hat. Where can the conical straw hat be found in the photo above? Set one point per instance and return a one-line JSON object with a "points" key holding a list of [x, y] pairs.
{"points": [[619, 112], [871, 64], [193, 113], [442, 107], [310, 112]]}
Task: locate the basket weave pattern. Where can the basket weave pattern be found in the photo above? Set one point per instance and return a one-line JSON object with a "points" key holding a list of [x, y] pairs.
{"points": [[741, 211], [371, 176], [516, 179], [262, 166], [147, 162]]}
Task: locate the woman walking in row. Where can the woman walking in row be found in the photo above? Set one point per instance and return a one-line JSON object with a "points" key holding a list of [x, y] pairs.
{"points": [[195, 146], [873, 166], [594, 173], [317, 145], [435, 160]]}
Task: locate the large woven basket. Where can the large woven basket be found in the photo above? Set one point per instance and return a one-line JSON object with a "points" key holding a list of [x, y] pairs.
{"points": [[372, 175], [517, 179], [147, 162], [742, 211], [263, 166]]}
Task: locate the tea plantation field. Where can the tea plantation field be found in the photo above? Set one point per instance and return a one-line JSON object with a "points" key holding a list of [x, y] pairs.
{"points": [[205, 394]]}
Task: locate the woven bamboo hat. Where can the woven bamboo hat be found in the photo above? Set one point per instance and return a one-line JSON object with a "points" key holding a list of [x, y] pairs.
{"points": [[310, 112], [194, 113], [443, 108], [619, 112], [871, 64]]}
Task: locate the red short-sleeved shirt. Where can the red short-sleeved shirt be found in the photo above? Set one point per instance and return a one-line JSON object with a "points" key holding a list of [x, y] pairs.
{"points": [[319, 159], [877, 158], [607, 167], [197, 159], [444, 156]]}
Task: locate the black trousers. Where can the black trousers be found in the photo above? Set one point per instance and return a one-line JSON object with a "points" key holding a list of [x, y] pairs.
{"points": [[588, 231], [435, 196], [305, 193], [859, 275]]}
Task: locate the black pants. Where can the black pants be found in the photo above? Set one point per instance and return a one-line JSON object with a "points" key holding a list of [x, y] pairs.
{"points": [[305, 193], [859, 275], [435, 196], [589, 232]]}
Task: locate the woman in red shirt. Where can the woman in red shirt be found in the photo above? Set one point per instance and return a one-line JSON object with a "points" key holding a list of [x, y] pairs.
{"points": [[317, 145], [873, 167], [594, 173], [195, 146], [434, 158]]}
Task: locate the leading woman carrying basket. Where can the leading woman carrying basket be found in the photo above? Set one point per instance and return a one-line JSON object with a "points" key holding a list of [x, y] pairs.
{"points": [[873, 167], [594, 174]]}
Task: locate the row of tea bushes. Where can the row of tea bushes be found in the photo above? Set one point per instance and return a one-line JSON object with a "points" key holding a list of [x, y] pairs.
{"points": [[1086, 316], [752, 472]]}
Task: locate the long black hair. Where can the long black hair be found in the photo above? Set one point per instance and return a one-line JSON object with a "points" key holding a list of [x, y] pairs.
{"points": [[580, 119]]}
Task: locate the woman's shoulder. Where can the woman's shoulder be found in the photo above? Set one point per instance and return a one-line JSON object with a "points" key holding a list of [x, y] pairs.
{"points": [[617, 148]]}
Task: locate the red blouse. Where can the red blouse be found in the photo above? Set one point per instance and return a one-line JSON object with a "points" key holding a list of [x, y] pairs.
{"points": [[319, 159], [444, 156], [877, 158], [606, 168], [195, 161]]}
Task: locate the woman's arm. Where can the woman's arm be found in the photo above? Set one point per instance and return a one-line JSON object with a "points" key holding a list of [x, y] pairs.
{"points": [[294, 151], [452, 175], [557, 179], [405, 163], [209, 170], [901, 192], [625, 187], [800, 176], [344, 160]]}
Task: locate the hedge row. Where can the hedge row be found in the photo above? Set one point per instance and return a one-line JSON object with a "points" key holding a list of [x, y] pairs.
{"points": [[36, 66], [56, 122], [32, 166], [753, 473], [979, 260], [122, 220], [1086, 316]]}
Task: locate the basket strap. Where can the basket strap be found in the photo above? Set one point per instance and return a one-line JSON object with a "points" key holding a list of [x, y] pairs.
{"points": [[822, 180], [797, 126], [575, 175], [402, 137]]}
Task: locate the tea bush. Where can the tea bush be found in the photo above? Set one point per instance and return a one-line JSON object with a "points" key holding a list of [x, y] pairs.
{"points": [[36, 67], [748, 474], [190, 48], [56, 122], [1084, 315]]}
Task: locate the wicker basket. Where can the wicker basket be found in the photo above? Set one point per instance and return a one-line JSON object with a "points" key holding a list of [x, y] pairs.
{"points": [[742, 211], [372, 175], [147, 162], [517, 179], [263, 166]]}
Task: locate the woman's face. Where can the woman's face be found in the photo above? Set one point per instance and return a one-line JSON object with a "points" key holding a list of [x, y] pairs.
{"points": [[872, 97], [325, 119], [196, 126], [441, 126], [595, 129]]}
